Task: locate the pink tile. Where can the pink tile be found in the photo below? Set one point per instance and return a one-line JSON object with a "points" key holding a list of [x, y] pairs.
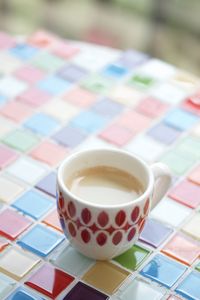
{"points": [[152, 107], [34, 97], [29, 74], [49, 153], [194, 176], [116, 135], [6, 41], [80, 97], [187, 193], [64, 50], [182, 248], [7, 155], [12, 224], [42, 39], [16, 111], [134, 121]]}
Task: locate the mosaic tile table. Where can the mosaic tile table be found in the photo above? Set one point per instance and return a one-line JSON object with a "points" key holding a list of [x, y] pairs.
{"points": [[57, 97]]}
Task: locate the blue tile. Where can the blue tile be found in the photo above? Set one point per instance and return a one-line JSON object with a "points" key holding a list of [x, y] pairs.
{"points": [[2, 99], [33, 204], [70, 136], [163, 270], [89, 121], [23, 51], [115, 71], [164, 133], [190, 287], [24, 294], [107, 107], [41, 123], [41, 240], [181, 119], [54, 85]]}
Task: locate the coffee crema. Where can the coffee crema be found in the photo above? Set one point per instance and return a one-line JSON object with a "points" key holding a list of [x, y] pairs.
{"points": [[105, 185]]}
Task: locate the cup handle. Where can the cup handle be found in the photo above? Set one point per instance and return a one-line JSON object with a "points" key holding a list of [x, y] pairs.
{"points": [[162, 177]]}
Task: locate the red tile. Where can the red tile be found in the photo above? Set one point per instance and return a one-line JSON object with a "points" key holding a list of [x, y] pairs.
{"points": [[182, 248], [80, 97], [187, 193], [12, 224], [34, 97], [49, 281], [134, 121], [7, 155], [16, 111], [152, 107], [29, 74], [42, 39], [192, 103], [49, 153], [64, 50], [3, 244], [52, 220], [117, 135], [194, 176]]}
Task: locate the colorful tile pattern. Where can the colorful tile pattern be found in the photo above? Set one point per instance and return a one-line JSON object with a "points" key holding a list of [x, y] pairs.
{"points": [[59, 96]]}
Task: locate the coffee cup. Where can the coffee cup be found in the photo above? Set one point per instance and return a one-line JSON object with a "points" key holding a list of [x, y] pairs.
{"points": [[103, 222]]}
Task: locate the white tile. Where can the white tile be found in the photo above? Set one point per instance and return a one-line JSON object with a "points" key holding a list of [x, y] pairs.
{"points": [[27, 170], [145, 147], [140, 290], [126, 95], [157, 69], [11, 87], [168, 93], [5, 126], [171, 212], [94, 142]]}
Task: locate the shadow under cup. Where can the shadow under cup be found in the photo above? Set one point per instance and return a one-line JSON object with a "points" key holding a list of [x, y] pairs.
{"points": [[102, 231]]}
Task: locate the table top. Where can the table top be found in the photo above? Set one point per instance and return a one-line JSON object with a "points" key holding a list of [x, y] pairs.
{"points": [[59, 96]]}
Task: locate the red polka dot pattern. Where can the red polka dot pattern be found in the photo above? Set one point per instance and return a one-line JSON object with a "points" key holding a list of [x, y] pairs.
{"points": [[72, 229], [71, 209], [117, 238], [131, 234], [135, 214], [85, 235], [103, 219], [120, 217], [86, 215], [101, 239]]}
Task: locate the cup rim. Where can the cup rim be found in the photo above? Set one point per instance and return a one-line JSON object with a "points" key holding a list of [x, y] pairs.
{"points": [[75, 198]]}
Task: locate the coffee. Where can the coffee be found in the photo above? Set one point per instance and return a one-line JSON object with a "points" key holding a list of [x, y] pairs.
{"points": [[105, 185]]}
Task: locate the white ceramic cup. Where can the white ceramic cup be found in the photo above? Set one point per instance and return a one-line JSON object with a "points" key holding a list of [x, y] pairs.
{"points": [[105, 231]]}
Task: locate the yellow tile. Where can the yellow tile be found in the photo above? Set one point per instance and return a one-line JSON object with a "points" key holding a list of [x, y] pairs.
{"points": [[60, 110], [9, 189], [105, 276], [193, 227], [16, 263]]}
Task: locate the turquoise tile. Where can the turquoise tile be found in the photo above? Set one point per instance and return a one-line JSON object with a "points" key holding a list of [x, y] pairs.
{"points": [[6, 285], [190, 287]]}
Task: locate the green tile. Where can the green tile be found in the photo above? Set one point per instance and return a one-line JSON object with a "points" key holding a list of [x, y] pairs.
{"points": [[189, 147], [132, 258], [20, 140], [142, 81], [177, 163], [198, 267], [48, 62], [98, 84]]}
